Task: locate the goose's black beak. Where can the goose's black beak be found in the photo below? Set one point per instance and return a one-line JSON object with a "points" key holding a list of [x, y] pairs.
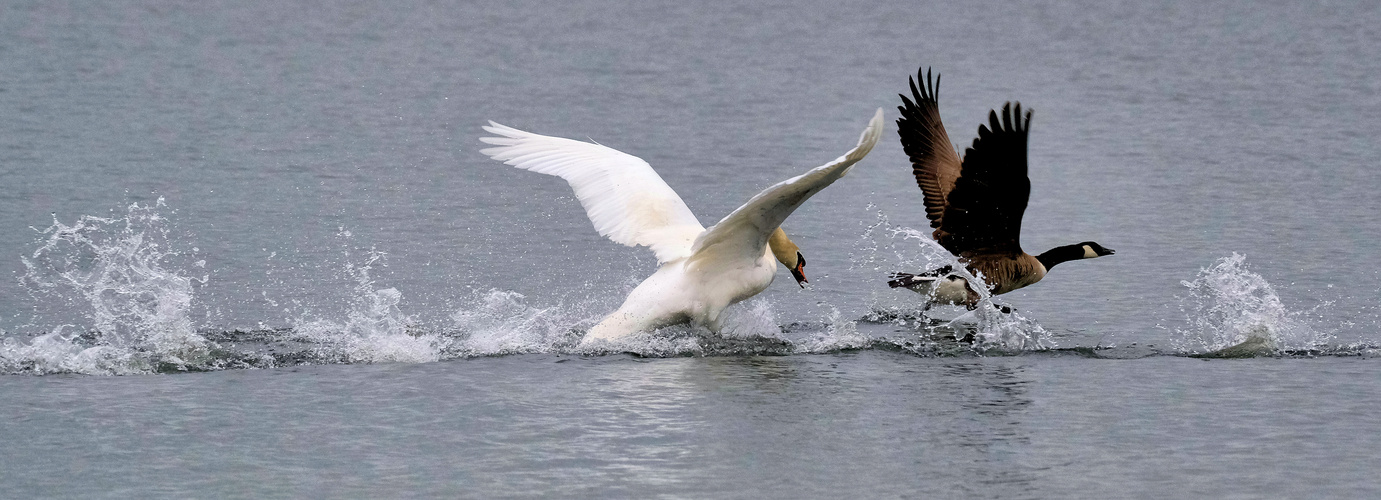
{"points": [[800, 271]]}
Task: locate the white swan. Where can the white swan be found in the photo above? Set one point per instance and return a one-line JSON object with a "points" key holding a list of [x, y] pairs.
{"points": [[703, 270]]}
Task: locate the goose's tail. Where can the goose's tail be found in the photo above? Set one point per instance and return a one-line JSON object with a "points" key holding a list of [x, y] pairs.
{"points": [[914, 281], [908, 280]]}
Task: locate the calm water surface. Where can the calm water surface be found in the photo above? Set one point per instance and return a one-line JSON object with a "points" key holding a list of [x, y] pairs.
{"points": [[868, 424], [290, 196]]}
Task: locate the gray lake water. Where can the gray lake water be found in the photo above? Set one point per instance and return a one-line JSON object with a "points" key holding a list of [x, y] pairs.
{"points": [[273, 219]]}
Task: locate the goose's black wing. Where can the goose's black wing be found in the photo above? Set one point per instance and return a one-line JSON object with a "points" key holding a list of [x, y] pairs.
{"points": [[933, 159], [983, 211]]}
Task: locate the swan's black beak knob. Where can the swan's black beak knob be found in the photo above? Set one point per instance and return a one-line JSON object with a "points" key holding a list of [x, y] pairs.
{"points": [[799, 272]]}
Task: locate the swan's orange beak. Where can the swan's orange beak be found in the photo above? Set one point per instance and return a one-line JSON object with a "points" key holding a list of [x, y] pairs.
{"points": [[800, 271]]}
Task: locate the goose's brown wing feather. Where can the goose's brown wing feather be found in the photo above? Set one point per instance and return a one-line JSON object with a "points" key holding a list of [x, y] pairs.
{"points": [[983, 211], [923, 137]]}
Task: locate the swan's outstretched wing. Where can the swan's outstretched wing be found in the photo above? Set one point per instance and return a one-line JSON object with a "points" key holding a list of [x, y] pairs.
{"points": [[743, 233], [624, 198]]}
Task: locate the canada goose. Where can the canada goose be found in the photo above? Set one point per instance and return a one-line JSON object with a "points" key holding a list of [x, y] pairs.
{"points": [[703, 270], [975, 205]]}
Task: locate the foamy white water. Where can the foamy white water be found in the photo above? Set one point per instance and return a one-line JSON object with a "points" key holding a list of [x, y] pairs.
{"points": [[132, 309], [116, 274], [1227, 305]]}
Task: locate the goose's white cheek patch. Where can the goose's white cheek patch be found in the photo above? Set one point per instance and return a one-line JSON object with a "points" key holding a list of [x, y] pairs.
{"points": [[1089, 253]]}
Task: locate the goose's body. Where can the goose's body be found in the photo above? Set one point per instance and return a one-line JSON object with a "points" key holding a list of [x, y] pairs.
{"points": [[975, 204], [703, 271]]}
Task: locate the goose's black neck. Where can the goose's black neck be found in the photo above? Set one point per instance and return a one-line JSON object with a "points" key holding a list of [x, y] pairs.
{"points": [[1060, 254]]}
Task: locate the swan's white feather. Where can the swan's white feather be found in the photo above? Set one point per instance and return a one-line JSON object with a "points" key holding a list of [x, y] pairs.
{"points": [[625, 199], [703, 271], [743, 233]]}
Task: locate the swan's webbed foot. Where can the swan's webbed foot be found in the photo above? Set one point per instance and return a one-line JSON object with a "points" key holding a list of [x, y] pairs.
{"points": [[715, 325]]}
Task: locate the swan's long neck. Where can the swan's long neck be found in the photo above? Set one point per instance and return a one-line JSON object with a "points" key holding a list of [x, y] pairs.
{"points": [[783, 249]]}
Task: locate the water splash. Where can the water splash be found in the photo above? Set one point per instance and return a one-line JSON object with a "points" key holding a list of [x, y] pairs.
{"points": [[499, 322], [128, 291], [1008, 332], [839, 334], [128, 300], [884, 248], [749, 328], [375, 329], [112, 301], [1235, 312], [754, 318]]}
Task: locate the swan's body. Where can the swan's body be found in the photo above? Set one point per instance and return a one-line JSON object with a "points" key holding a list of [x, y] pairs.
{"points": [[684, 291], [975, 204], [704, 271]]}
